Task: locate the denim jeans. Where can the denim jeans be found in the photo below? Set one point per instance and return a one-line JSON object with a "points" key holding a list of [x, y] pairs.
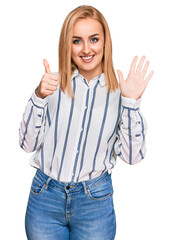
{"points": [[70, 211]]}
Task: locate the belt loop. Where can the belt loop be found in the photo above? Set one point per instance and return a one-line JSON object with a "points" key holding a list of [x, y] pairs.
{"points": [[47, 182], [85, 189]]}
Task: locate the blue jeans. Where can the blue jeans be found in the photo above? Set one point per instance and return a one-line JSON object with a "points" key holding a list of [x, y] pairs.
{"points": [[70, 211]]}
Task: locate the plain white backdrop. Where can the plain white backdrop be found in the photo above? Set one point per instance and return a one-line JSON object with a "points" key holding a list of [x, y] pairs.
{"points": [[30, 32]]}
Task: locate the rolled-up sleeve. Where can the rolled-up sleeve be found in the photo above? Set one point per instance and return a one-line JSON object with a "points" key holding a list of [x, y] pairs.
{"points": [[130, 134]]}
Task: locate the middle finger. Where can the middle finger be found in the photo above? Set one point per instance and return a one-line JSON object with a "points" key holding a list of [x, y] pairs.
{"points": [[51, 76]]}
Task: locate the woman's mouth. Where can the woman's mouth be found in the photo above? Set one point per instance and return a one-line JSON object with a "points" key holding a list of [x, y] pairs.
{"points": [[87, 59]]}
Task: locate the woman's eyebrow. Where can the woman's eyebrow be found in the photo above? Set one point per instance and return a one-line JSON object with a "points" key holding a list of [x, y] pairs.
{"points": [[93, 35]]}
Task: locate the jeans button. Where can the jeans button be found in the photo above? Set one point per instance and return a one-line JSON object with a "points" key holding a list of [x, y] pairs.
{"points": [[68, 187]]}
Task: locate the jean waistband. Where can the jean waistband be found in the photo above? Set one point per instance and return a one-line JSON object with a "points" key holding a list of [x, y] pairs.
{"points": [[63, 185]]}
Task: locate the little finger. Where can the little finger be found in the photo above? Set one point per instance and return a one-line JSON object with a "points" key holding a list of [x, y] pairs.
{"points": [[148, 77]]}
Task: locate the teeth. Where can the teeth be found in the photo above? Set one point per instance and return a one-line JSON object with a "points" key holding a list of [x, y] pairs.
{"points": [[87, 57]]}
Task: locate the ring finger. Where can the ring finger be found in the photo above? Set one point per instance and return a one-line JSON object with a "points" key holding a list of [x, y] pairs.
{"points": [[139, 67]]}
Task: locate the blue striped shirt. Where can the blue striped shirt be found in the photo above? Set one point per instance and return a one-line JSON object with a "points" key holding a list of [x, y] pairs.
{"points": [[77, 140]]}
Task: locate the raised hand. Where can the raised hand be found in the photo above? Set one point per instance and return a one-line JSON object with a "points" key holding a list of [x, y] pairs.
{"points": [[135, 84], [48, 83]]}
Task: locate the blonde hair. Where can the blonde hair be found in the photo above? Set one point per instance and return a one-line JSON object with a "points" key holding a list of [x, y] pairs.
{"points": [[66, 64]]}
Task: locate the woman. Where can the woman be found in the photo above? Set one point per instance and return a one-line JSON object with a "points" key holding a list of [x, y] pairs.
{"points": [[77, 121]]}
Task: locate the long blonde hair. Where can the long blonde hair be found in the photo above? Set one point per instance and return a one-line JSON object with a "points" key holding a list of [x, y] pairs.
{"points": [[66, 64]]}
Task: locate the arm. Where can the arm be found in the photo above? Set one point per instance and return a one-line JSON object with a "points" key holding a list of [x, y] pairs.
{"points": [[32, 126], [131, 130]]}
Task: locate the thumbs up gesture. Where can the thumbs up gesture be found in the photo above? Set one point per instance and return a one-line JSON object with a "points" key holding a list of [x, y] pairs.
{"points": [[48, 83]]}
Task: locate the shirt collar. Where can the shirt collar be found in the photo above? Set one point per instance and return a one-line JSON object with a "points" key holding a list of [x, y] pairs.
{"points": [[100, 77]]}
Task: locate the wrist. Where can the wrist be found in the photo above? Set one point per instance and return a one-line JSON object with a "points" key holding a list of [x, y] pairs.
{"points": [[130, 102], [38, 94]]}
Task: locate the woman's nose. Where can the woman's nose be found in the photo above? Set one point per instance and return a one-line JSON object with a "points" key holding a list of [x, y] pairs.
{"points": [[86, 48]]}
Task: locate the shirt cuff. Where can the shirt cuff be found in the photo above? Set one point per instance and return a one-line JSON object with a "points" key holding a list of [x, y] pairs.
{"points": [[130, 102], [41, 102]]}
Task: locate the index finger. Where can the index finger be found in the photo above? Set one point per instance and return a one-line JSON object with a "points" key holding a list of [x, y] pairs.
{"points": [[133, 65], [53, 76]]}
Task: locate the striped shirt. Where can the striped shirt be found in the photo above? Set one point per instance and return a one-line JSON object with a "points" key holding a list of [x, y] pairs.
{"points": [[79, 139]]}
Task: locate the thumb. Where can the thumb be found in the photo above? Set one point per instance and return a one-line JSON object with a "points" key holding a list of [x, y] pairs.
{"points": [[120, 76], [46, 65]]}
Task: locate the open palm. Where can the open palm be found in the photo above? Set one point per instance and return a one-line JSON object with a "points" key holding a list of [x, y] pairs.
{"points": [[135, 84]]}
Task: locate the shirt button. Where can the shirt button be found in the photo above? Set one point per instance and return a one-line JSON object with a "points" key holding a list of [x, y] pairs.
{"points": [[85, 107], [81, 129]]}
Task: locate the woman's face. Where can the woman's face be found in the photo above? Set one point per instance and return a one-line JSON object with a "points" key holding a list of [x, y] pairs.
{"points": [[87, 47]]}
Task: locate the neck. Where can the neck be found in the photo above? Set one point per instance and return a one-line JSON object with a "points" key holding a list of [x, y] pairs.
{"points": [[89, 74]]}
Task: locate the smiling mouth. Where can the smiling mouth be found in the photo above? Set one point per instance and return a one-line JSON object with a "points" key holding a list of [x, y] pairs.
{"points": [[87, 58]]}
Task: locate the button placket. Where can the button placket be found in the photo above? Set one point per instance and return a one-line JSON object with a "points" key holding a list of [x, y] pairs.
{"points": [[81, 132]]}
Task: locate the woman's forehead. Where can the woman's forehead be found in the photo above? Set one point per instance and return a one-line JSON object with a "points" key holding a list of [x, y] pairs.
{"points": [[87, 26]]}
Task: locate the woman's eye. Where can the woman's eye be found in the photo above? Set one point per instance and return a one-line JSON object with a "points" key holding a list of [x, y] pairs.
{"points": [[76, 41], [79, 41], [94, 40]]}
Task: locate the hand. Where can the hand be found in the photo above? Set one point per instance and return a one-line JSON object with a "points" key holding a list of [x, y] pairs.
{"points": [[135, 85], [48, 83]]}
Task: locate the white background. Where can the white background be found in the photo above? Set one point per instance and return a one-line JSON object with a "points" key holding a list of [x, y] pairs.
{"points": [[30, 32]]}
